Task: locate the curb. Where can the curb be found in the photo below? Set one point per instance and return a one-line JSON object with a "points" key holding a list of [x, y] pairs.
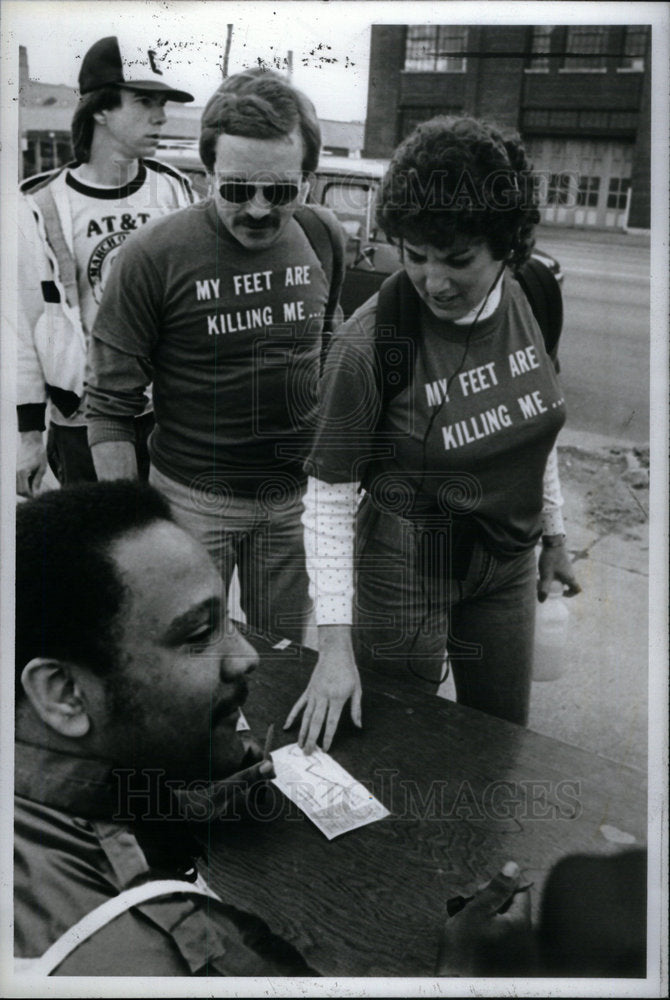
{"points": [[632, 238], [586, 441]]}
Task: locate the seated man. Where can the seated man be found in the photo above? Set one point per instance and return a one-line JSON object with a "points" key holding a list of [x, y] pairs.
{"points": [[128, 684]]}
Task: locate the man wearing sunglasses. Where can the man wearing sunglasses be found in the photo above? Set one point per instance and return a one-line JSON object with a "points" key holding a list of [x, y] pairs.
{"points": [[224, 307]]}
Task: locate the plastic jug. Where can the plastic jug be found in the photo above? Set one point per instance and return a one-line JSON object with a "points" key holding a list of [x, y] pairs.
{"points": [[551, 636]]}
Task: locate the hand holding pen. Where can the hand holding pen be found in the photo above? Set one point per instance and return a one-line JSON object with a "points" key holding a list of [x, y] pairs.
{"points": [[489, 933], [227, 798]]}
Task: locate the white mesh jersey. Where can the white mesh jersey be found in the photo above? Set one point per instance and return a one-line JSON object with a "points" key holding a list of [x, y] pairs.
{"points": [[103, 218], [96, 221]]}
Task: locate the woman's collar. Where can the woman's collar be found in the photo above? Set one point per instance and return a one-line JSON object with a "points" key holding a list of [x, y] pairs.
{"points": [[490, 304]]}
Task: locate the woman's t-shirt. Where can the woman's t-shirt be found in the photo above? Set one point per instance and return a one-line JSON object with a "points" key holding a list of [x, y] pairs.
{"points": [[471, 432]]}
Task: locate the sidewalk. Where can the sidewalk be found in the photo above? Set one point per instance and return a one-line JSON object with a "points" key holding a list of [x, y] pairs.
{"points": [[600, 701]]}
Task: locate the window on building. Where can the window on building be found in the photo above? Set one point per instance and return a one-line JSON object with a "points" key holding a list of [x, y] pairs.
{"points": [[634, 47], [42, 151], [30, 158], [623, 119], [540, 47], [585, 47], [552, 118], [616, 196], [558, 190], [436, 48], [563, 118], [537, 117], [593, 119], [587, 193]]}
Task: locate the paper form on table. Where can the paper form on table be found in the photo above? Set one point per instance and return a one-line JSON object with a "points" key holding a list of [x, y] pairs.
{"points": [[328, 795]]}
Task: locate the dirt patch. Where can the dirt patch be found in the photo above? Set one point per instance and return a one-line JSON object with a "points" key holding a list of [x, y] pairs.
{"points": [[614, 484]]}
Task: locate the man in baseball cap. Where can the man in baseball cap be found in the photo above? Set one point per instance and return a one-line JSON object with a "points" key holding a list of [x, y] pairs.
{"points": [[73, 222], [104, 65]]}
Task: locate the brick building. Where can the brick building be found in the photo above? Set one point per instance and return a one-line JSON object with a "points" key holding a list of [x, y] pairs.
{"points": [[579, 95]]}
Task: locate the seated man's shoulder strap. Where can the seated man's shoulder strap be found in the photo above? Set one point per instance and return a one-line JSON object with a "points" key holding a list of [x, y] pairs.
{"points": [[102, 915]]}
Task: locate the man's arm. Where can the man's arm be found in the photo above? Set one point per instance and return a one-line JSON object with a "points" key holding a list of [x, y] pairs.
{"points": [[31, 396], [115, 395], [554, 563], [329, 544], [490, 933], [114, 460], [118, 364], [343, 440], [31, 462]]}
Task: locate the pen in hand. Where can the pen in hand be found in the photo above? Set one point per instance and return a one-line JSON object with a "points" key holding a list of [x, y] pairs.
{"points": [[266, 765], [458, 903]]}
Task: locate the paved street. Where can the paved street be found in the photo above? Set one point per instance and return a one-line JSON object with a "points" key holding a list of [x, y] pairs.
{"points": [[605, 343]]}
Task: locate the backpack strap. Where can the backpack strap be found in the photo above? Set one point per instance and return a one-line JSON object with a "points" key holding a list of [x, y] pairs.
{"points": [[328, 245], [102, 915], [396, 330], [544, 295], [395, 335]]}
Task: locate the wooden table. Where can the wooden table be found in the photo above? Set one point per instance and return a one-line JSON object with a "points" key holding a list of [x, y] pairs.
{"points": [[467, 792]]}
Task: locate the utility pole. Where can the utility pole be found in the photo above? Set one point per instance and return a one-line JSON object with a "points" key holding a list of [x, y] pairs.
{"points": [[226, 54], [289, 64]]}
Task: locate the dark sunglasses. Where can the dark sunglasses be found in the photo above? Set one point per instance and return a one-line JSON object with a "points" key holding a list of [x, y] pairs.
{"points": [[239, 192]]}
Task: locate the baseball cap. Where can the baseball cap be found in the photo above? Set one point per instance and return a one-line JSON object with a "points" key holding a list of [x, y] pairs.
{"points": [[104, 66]]}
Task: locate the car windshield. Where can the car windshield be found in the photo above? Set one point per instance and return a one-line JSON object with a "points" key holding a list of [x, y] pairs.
{"points": [[353, 200], [347, 199]]}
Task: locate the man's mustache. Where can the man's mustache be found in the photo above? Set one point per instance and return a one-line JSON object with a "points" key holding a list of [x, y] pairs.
{"points": [[267, 222]]}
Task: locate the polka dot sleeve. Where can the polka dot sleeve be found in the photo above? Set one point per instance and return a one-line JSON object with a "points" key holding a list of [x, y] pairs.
{"points": [[329, 546], [552, 499]]}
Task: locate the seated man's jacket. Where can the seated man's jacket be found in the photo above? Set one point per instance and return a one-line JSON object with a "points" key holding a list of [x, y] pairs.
{"points": [[71, 856]]}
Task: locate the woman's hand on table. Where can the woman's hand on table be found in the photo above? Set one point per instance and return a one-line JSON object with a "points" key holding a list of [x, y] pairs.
{"points": [[554, 564], [334, 681]]}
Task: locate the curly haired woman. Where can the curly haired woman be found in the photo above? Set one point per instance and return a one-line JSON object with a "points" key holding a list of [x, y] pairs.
{"points": [[459, 465]]}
